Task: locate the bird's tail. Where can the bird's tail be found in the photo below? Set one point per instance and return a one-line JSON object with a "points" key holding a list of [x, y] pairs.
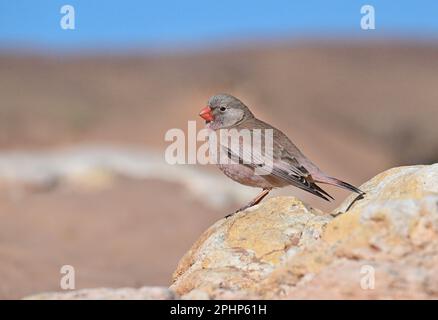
{"points": [[339, 183]]}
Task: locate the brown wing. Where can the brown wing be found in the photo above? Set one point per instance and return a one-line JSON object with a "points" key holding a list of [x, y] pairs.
{"points": [[284, 165]]}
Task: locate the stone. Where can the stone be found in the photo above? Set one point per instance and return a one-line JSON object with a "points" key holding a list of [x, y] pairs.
{"points": [[238, 252], [143, 293], [384, 247]]}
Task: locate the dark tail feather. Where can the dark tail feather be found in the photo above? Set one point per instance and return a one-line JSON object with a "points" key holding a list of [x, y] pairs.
{"points": [[340, 183], [315, 186], [317, 193], [315, 190]]}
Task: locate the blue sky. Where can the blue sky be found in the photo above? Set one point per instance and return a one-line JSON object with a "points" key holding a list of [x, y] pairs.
{"points": [[135, 23]]}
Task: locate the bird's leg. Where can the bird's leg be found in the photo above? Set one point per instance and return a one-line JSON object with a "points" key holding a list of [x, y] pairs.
{"points": [[253, 202], [259, 197]]}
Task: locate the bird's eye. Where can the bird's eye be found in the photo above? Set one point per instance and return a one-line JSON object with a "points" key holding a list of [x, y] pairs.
{"points": [[222, 109]]}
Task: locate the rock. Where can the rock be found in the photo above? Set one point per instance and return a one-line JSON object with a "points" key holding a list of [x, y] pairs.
{"points": [[144, 293], [384, 247], [237, 253]]}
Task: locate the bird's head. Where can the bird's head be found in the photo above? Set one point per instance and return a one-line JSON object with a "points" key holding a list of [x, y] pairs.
{"points": [[224, 111]]}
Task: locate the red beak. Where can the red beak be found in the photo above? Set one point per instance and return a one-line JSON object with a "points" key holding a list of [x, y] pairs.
{"points": [[206, 114]]}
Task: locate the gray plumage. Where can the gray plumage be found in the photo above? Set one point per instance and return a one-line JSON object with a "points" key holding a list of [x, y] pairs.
{"points": [[290, 166]]}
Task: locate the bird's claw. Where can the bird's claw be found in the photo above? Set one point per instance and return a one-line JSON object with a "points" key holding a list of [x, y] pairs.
{"points": [[238, 210]]}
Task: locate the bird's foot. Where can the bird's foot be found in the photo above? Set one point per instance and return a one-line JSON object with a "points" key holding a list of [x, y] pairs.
{"points": [[257, 200], [239, 210]]}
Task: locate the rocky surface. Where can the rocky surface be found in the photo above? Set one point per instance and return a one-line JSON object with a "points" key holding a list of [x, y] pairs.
{"points": [[144, 293], [384, 247]]}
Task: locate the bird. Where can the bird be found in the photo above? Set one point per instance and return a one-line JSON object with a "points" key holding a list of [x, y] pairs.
{"points": [[289, 165]]}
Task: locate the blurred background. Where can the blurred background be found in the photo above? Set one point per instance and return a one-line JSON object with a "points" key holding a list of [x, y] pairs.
{"points": [[84, 111]]}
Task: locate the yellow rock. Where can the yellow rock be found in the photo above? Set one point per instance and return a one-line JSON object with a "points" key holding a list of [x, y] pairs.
{"points": [[285, 249], [384, 247]]}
